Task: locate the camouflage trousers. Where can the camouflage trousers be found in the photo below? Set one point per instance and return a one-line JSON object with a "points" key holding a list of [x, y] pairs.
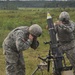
{"points": [[69, 50], [14, 63], [71, 56]]}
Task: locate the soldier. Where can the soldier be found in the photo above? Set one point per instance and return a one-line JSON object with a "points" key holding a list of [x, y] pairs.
{"points": [[65, 32], [18, 40]]}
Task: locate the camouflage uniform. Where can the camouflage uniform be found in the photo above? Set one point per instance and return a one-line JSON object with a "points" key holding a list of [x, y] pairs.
{"points": [[13, 45], [65, 33]]}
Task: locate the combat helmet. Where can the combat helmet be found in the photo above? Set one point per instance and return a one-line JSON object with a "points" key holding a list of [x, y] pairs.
{"points": [[64, 16], [35, 30]]}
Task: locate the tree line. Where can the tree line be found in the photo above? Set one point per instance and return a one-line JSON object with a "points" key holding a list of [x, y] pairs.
{"points": [[37, 4]]}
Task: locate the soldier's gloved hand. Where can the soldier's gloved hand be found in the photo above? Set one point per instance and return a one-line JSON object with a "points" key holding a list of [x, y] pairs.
{"points": [[34, 44]]}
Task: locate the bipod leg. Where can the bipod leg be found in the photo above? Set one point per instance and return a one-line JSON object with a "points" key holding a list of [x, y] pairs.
{"points": [[36, 70]]}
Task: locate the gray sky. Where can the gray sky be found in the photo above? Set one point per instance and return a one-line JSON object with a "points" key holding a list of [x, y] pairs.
{"points": [[37, 0]]}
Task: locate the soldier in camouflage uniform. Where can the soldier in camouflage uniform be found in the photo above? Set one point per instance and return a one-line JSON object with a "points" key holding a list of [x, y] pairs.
{"points": [[65, 32], [18, 40]]}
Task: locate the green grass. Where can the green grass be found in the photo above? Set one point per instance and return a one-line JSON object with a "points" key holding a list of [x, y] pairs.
{"points": [[9, 19], [2, 63], [31, 60]]}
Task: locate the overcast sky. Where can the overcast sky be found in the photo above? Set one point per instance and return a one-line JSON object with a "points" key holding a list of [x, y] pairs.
{"points": [[35, 0]]}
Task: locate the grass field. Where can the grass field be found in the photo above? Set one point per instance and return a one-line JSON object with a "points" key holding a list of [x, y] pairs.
{"points": [[9, 19]]}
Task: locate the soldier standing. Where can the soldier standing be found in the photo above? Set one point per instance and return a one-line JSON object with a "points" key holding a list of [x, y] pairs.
{"points": [[18, 40], [65, 32]]}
